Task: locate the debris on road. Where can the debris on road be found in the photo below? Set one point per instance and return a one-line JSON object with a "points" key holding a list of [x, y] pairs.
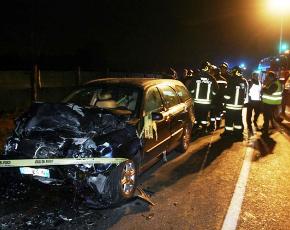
{"points": [[149, 217], [144, 196]]}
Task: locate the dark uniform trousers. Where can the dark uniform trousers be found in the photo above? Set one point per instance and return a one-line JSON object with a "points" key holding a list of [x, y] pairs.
{"points": [[268, 111], [233, 121], [201, 114], [256, 107]]}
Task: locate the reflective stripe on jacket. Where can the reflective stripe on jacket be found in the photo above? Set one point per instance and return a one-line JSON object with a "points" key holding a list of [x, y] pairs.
{"points": [[203, 88], [236, 93], [274, 98]]}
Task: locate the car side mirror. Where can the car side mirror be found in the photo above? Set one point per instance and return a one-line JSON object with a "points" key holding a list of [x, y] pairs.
{"points": [[156, 116]]}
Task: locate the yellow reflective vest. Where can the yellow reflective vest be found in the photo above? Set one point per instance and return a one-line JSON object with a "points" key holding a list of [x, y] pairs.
{"points": [[274, 98]]}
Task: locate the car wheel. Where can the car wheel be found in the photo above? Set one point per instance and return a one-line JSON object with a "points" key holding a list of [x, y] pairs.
{"points": [[185, 139], [122, 182]]}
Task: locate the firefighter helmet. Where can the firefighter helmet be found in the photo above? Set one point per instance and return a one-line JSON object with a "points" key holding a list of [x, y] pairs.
{"points": [[224, 65], [237, 71], [205, 66]]}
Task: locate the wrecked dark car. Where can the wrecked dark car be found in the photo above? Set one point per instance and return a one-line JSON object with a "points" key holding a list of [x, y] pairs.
{"points": [[136, 119]]}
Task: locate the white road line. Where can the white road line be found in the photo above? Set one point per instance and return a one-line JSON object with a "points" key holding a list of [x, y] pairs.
{"points": [[232, 217]]}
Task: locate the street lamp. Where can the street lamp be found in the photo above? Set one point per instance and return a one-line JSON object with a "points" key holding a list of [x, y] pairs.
{"points": [[280, 7]]}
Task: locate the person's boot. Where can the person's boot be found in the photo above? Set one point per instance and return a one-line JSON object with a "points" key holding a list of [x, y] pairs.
{"points": [[218, 124], [195, 130], [211, 127], [238, 136], [226, 134], [265, 134]]}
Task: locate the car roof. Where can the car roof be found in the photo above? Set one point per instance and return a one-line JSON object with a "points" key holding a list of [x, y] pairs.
{"points": [[137, 82]]}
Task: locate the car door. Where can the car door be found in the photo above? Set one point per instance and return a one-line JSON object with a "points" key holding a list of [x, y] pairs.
{"points": [[176, 112], [156, 145]]}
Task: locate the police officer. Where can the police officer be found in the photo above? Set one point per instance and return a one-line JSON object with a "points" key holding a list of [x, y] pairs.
{"points": [[203, 89], [271, 97], [235, 95], [219, 98]]}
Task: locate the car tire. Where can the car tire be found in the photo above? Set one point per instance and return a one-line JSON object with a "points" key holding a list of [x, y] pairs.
{"points": [[185, 139], [122, 182]]}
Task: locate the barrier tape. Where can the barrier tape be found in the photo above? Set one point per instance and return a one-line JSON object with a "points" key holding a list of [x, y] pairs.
{"points": [[55, 162]]}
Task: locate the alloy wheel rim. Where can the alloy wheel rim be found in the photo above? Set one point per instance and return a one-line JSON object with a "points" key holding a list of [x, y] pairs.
{"points": [[128, 178]]}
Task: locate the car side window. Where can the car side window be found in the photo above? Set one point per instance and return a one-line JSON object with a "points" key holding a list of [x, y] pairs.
{"points": [[153, 101], [169, 95], [182, 93]]}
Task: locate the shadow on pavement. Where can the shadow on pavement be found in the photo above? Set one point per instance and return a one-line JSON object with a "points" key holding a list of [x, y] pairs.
{"points": [[265, 146], [197, 161]]}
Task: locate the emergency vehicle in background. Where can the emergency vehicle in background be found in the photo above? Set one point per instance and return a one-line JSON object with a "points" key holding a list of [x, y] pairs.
{"points": [[280, 64]]}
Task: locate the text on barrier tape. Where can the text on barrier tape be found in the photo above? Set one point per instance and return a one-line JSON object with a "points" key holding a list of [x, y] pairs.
{"points": [[63, 161]]}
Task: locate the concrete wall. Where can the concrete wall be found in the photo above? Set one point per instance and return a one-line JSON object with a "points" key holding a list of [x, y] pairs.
{"points": [[15, 86]]}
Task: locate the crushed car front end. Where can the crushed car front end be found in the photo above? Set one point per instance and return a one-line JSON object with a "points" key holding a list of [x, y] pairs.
{"points": [[56, 131]]}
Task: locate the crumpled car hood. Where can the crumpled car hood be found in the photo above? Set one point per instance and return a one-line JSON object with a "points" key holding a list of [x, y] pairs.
{"points": [[70, 119], [66, 130]]}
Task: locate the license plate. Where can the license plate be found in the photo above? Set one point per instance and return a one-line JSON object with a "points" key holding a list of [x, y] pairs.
{"points": [[35, 172]]}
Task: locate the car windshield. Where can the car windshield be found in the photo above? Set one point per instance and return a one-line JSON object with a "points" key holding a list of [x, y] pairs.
{"points": [[106, 96]]}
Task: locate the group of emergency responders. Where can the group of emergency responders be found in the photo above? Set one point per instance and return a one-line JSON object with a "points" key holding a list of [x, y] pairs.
{"points": [[221, 92]]}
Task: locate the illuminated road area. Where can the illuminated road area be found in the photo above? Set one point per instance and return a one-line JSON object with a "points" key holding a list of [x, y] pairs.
{"points": [[216, 184]]}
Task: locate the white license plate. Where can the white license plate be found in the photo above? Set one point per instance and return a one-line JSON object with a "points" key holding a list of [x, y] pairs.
{"points": [[35, 172]]}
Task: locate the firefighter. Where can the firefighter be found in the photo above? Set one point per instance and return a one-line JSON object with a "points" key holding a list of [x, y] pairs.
{"points": [[203, 89], [254, 103], [225, 70], [235, 96], [218, 99], [187, 77], [271, 97]]}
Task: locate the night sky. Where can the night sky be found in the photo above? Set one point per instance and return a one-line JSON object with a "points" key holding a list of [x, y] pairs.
{"points": [[136, 35]]}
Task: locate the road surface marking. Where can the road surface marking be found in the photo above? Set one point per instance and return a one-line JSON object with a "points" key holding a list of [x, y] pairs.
{"points": [[232, 217]]}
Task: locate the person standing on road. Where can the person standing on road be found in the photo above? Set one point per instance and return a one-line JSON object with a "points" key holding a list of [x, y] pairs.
{"points": [[225, 71], [235, 95], [219, 98], [203, 89], [271, 97], [254, 103]]}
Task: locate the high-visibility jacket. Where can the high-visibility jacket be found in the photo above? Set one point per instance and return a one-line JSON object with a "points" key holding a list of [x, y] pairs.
{"points": [[275, 97], [203, 88], [236, 93]]}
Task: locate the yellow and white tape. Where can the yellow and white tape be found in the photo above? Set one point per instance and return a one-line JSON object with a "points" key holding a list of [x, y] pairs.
{"points": [[55, 162]]}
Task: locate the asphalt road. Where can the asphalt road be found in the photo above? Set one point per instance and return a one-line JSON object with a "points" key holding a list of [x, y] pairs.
{"points": [[216, 184]]}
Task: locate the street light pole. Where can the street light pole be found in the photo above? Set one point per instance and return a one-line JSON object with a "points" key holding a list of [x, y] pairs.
{"points": [[281, 35], [281, 8]]}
